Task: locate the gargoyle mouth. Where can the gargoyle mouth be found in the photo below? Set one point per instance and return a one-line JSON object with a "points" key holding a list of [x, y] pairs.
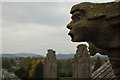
{"points": [[71, 35]]}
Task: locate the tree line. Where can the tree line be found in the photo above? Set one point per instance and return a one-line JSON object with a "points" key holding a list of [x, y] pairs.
{"points": [[30, 68]]}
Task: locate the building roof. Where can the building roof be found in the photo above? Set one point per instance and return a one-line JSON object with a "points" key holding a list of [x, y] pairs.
{"points": [[104, 72]]}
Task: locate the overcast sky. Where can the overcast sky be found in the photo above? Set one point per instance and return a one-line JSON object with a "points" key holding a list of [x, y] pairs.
{"points": [[34, 27]]}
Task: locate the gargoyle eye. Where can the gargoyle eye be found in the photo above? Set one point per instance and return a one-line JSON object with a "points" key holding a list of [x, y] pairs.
{"points": [[79, 17]]}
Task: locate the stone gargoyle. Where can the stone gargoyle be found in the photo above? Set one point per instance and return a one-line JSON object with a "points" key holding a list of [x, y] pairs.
{"points": [[99, 25]]}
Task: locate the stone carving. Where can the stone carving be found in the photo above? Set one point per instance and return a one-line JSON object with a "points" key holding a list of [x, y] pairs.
{"points": [[81, 63], [50, 66], [99, 25]]}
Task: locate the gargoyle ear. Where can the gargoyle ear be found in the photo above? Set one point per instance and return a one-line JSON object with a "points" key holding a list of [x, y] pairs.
{"points": [[96, 17]]}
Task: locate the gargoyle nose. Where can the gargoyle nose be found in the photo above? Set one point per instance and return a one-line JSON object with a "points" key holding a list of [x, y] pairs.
{"points": [[69, 27]]}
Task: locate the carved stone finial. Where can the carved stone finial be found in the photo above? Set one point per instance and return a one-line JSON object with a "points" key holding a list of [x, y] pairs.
{"points": [[81, 53], [81, 63], [50, 65], [50, 55]]}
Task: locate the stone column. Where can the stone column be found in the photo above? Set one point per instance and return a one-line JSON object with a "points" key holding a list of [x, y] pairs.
{"points": [[50, 66], [81, 63]]}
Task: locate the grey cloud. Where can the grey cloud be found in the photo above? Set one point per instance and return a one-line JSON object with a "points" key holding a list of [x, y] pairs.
{"points": [[28, 27], [50, 13], [36, 40], [40, 13]]}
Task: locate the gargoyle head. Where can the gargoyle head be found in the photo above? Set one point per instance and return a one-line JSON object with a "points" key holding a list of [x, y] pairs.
{"points": [[97, 23]]}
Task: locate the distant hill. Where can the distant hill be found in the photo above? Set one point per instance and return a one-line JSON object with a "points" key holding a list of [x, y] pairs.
{"points": [[0, 54], [26, 54], [21, 55], [65, 56], [9, 55], [68, 56], [58, 56]]}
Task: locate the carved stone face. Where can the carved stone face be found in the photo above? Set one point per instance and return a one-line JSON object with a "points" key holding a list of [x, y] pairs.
{"points": [[82, 29], [75, 26], [96, 27]]}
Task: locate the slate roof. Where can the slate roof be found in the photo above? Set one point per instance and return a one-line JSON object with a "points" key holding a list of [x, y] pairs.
{"points": [[8, 76], [104, 72]]}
